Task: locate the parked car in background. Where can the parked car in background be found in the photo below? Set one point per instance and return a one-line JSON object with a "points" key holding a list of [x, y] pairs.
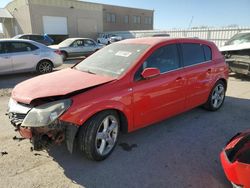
{"points": [[237, 53], [20, 55], [75, 47], [44, 39], [108, 38], [123, 87], [235, 160]]}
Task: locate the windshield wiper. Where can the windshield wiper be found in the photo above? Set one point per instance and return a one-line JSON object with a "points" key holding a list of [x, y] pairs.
{"points": [[88, 71]]}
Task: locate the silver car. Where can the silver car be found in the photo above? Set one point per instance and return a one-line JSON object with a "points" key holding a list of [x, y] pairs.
{"points": [[19, 55], [75, 47]]}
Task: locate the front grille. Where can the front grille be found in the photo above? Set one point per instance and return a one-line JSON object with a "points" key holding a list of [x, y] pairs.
{"points": [[16, 118]]}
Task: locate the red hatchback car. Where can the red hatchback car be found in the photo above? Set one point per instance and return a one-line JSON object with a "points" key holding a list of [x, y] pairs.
{"points": [[123, 87]]}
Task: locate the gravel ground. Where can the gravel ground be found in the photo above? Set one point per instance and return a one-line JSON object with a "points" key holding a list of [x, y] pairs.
{"points": [[180, 152]]}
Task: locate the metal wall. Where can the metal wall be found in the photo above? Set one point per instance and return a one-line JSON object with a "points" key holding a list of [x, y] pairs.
{"points": [[218, 35]]}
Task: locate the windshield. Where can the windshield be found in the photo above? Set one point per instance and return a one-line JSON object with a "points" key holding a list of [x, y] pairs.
{"points": [[112, 60], [239, 39], [66, 42]]}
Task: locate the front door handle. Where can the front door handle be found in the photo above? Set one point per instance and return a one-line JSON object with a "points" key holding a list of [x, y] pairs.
{"points": [[179, 79], [209, 71], [6, 57]]}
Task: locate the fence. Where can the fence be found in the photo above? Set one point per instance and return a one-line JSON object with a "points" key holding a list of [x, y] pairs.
{"points": [[218, 35]]}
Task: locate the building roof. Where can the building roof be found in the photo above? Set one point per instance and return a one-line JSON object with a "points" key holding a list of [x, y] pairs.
{"points": [[5, 13]]}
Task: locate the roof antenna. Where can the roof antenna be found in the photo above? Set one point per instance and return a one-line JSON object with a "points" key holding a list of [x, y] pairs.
{"points": [[191, 21]]}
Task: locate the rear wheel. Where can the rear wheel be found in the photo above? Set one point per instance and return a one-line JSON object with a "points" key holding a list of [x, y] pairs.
{"points": [[44, 67], [98, 136], [216, 97], [64, 55]]}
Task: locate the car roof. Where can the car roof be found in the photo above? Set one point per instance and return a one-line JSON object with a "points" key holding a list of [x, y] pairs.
{"points": [[157, 40], [78, 38]]}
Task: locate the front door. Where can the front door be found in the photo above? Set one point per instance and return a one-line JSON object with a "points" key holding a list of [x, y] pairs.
{"points": [[163, 96]]}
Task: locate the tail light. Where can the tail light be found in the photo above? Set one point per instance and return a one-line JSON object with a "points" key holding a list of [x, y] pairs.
{"points": [[58, 52]]}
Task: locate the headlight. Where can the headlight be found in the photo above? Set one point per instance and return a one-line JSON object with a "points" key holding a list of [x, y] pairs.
{"points": [[46, 114]]}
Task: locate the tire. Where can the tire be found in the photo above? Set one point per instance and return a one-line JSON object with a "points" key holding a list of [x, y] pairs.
{"points": [[44, 67], [217, 94], [98, 137], [64, 55]]}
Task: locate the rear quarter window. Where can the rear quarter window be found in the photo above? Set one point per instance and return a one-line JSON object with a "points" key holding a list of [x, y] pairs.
{"points": [[208, 52], [192, 54]]}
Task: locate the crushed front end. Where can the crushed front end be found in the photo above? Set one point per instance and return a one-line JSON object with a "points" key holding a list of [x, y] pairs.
{"points": [[235, 160], [238, 61], [41, 123]]}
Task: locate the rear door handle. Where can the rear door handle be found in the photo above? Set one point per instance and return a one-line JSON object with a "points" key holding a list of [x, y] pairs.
{"points": [[6, 57], [209, 71]]}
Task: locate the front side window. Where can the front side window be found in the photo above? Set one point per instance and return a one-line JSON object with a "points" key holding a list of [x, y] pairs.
{"points": [[192, 54], [77, 43], [165, 58], [14, 47]]}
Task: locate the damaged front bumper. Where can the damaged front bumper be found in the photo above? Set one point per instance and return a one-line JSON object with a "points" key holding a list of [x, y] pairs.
{"points": [[239, 64], [41, 124]]}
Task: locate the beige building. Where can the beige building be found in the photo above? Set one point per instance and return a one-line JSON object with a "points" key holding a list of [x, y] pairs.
{"points": [[71, 18]]}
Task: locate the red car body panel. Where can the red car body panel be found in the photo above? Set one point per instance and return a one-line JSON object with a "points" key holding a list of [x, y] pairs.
{"points": [[236, 169], [57, 84], [156, 99]]}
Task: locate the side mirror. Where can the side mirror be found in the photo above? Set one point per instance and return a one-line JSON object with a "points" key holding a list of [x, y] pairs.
{"points": [[150, 73]]}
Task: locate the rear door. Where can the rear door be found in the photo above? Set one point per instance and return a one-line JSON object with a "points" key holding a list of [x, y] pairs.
{"points": [[89, 47], [5, 59], [198, 72], [24, 55], [163, 96]]}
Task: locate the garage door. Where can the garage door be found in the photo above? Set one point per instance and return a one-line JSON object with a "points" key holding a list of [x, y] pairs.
{"points": [[55, 25]]}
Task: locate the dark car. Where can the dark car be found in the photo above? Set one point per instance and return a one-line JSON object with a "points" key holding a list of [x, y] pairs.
{"points": [[44, 39]]}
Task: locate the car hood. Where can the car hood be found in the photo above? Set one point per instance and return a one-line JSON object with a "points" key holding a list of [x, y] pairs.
{"points": [[58, 83], [235, 47]]}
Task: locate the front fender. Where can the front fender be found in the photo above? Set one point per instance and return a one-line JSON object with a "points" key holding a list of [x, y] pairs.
{"points": [[79, 115]]}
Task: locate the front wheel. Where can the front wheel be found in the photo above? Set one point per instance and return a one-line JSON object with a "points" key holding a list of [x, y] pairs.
{"points": [[216, 97], [98, 136]]}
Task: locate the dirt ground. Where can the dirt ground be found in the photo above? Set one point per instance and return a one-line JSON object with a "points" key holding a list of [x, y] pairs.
{"points": [[180, 152]]}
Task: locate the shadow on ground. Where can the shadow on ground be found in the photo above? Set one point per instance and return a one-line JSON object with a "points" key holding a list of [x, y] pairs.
{"points": [[180, 152]]}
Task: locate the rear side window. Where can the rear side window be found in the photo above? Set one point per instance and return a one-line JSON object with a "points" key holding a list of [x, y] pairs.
{"points": [[36, 37], [208, 52], [14, 47], [2, 48], [192, 54]]}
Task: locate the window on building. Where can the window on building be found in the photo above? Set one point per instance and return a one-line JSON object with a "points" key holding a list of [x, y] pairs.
{"points": [[192, 54], [111, 18], [148, 20], [126, 19], [136, 19]]}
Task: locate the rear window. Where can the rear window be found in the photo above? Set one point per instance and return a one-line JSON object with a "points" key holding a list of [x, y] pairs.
{"points": [[192, 54]]}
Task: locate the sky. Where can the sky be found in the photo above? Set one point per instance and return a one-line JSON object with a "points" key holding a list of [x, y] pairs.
{"points": [[179, 13]]}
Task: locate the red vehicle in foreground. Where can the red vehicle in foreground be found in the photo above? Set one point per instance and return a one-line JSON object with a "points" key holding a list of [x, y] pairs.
{"points": [[235, 159], [123, 87]]}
